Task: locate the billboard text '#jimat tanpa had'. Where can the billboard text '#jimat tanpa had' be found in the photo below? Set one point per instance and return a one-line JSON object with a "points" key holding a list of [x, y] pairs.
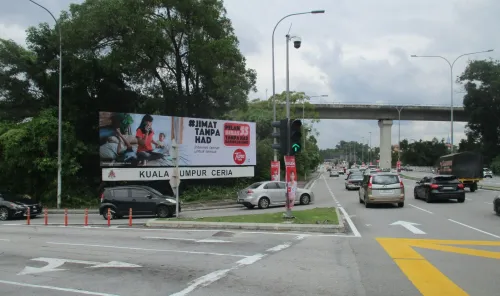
{"points": [[136, 147]]}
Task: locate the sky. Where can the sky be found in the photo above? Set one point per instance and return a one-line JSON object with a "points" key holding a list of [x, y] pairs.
{"points": [[356, 52]]}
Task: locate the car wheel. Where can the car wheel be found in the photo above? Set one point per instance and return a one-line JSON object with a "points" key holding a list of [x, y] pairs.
{"points": [[415, 195], [4, 214], [427, 197], [367, 205], [497, 209], [164, 212], [250, 206], [305, 199], [401, 204], [263, 203], [105, 213], [461, 200]]}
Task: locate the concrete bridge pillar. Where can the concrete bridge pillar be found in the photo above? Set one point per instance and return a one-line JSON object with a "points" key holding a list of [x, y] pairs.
{"points": [[385, 126]]}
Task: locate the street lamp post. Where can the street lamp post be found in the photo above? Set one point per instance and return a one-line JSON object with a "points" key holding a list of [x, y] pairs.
{"points": [[59, 129], [370, 151], [274, 77], [362, 149], [451, 64]]}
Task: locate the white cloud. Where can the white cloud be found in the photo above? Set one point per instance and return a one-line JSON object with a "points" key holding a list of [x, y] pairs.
{"points": [[358, 51]]}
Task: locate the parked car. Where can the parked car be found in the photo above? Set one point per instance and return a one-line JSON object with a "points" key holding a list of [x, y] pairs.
{"points": [[334, 173], [143, 200], [440, 187], [271, 193], [487, 173], [353, 181], [382, 188], [341, 172], [16, 206], [496, 205]]}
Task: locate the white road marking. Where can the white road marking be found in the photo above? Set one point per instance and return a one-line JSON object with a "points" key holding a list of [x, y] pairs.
{"points": [[488, 203], [185, 239], [368, 224], [12, 224], [217, 275], [473, 228], [53, 264], [421, 209], [76, 291], [279, 247], [344, 212], [4, 240], [302, 236], [410, 226], [468, 198], [146, 249]]}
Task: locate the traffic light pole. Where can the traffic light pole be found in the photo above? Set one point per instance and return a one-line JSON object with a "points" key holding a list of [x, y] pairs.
{"points": [[288, 210]]}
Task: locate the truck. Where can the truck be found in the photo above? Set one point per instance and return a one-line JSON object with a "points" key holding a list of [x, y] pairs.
{"points": [[466, 166]]}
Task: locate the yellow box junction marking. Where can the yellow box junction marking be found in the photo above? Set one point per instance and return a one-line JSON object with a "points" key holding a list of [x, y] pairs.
{"points": [[425, 276]]}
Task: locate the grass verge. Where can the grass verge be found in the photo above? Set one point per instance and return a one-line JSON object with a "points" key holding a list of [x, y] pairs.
{"points": [[313, 216]]}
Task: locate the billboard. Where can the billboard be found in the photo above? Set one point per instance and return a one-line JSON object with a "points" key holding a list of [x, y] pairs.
{"points": [[143, 140]]}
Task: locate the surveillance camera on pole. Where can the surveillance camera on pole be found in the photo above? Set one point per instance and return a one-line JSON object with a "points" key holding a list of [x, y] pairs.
{"points": [[297, 42], [175, 179]]}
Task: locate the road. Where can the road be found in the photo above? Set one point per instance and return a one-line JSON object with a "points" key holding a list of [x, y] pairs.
{"points": [[375, 258]]}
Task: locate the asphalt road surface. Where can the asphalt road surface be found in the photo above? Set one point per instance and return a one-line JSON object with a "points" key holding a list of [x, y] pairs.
{"points": [[451, 249]]}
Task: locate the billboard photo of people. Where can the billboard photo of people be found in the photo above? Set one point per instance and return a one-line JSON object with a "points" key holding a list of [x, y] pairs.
{"points": [[144, 140]]}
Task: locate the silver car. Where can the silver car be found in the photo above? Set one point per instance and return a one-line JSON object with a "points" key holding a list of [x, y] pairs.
{"points": [[353, 181], [381, 188], [334, 173], [271, 193]]}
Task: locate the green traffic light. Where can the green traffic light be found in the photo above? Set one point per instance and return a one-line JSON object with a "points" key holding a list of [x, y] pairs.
{"points": [[296, 147]]}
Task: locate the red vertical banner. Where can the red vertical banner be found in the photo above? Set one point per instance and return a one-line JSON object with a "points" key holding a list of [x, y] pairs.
{"points": [[398, 165], [275, 170], [291, 181]]}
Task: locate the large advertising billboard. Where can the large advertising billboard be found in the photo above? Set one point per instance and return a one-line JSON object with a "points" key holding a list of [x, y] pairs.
{"points": [[142, 140]]}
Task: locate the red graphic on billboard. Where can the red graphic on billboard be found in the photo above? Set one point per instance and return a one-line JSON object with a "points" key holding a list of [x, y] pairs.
{"points": [[239, 156], [236, 134], [398, 165], [291, 181], [275, 170]]}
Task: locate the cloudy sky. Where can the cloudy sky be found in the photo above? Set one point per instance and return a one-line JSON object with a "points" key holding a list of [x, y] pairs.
{"points": [[357, 52]]}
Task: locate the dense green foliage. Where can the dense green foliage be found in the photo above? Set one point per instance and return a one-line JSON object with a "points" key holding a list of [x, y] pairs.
{"points": [[175, 57], [481, 80], [351, 151]]}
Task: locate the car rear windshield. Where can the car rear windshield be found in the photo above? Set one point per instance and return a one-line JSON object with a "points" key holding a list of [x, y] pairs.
{"points": [[385, 179], [255, 185], [446, 179], [356, 176]]}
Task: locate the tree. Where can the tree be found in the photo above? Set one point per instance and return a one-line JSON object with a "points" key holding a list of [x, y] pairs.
{"points": [[481, 80], [261, 112], [422, 153], [162, 57]]}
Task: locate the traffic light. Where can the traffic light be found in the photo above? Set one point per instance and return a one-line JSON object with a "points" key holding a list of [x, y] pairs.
{"points": [[295, 136], [281, 135]]}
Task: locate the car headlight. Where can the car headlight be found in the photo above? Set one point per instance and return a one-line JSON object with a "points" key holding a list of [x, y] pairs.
{"points": [[171, 200]]}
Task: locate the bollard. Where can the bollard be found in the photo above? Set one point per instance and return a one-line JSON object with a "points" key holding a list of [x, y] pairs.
{"points": [[65, 217], [109, 216], [46, 216], [28, 216], [130, 217], [86, 218]]}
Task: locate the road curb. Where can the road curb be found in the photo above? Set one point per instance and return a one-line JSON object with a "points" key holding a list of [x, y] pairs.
{"points": [[310, 182], [322, 228], [185, 208], [340, 218]]}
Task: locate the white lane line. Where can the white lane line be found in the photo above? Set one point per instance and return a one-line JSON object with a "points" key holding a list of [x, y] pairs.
{"points": [[344, 212], [185, 239], [279, 247], [468, 198], [488, 203], [302, 236], [4, 240], [473, 228], [77, 291], [217, 275], [146, 249], [421, 209]]}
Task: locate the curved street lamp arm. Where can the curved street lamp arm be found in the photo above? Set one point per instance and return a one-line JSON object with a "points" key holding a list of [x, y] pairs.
{"points": [[43, 7]]}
